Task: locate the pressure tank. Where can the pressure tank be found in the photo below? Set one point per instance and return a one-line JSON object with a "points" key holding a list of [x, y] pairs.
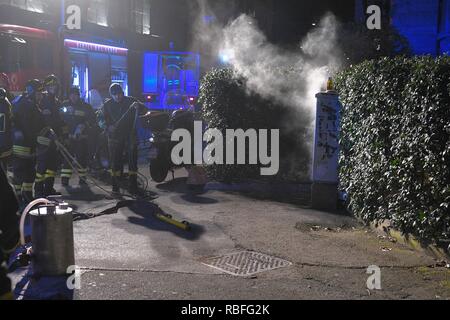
{"points": [[53, 241]]}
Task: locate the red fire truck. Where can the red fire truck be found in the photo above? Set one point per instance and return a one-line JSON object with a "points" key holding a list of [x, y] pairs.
{"points": [[28, 53]]}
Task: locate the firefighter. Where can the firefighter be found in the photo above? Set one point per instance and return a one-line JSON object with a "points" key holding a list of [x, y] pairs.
{"points": [[28, 126], [79, 118], [9, 232], [5, 129], [47, 152], [6, 84], [120, 114]]}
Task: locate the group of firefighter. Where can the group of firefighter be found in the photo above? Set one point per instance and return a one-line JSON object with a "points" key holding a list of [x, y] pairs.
{"points": [[36, 125], [40, 134]]}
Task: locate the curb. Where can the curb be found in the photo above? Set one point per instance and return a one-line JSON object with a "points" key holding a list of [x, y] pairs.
{"points": [[300, 192], [386, 229]]}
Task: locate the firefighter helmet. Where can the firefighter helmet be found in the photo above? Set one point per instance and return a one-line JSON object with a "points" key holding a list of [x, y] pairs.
{"points": [[4, 81], [33, 86], [51, 80], [115, 89], [3, 93]]}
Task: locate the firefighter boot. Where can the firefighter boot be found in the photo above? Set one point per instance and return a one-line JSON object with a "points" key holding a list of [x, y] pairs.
{"points": [[65, 182], [115, 185], [133, 185], [39, 190], [83, 182], [49, 188]]}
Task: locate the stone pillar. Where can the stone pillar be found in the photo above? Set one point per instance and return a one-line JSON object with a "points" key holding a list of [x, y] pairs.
{"points": [[324, 195]]}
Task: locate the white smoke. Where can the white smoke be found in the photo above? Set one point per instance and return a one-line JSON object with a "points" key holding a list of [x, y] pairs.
{"points": [[289, 77], [258, 60], [264, 65]]}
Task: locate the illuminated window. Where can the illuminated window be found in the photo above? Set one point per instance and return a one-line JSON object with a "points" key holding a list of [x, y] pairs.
{"points": [[98, 12], [29, 5], [141, 16]]}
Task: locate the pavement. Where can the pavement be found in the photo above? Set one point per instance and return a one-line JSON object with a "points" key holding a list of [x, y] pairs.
{"points": [[132, 255]]}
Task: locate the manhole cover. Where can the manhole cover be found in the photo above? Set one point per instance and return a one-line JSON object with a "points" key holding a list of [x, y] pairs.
{"points": [[246, 263]]}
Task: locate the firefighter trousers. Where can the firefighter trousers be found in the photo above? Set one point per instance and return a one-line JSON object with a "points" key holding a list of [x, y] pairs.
{"points": [[79, 149], [24, 173], [47, 161], [117, 150]]}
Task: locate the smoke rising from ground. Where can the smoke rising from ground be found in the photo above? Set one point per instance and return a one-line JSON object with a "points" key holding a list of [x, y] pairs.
{"points": [[288, 77], [265, 65], [249, 52]]}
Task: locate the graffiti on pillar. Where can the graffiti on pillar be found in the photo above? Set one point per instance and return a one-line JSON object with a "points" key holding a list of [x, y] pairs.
{"points": [[326, 148]]}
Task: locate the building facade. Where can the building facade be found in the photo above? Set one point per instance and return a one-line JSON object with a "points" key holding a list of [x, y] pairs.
{"points": [[107, 48], [425, 23]]}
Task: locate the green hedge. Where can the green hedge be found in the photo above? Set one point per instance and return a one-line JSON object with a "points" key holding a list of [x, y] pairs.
{"points": [[227, 104], [395, 160]]}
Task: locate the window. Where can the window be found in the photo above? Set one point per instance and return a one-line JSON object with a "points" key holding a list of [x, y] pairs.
{"points": [[15, 54], [141, 16], [98, 12], [38, 6]]}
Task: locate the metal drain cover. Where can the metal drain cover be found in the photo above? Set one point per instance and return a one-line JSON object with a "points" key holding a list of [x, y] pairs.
{"points": [[246, 263]]}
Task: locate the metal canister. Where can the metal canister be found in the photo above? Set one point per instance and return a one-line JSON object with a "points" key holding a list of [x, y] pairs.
{"points": [[53, 241]]}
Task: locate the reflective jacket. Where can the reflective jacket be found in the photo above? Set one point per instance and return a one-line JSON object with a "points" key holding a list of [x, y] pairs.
{"points": [[78, 114], [50, 107], [120, 116], [28, 125], [6, 137]]}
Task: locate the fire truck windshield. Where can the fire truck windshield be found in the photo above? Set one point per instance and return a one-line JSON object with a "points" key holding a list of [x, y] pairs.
{"points": [[15, 54]]}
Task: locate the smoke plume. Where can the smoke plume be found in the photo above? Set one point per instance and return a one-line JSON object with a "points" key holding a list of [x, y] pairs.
{"points": [[288, 77]]}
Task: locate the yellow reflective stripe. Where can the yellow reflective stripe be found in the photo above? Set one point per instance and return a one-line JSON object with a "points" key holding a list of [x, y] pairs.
{"points": [[50, 174], [7, 297], [6, 154], [27, 187], [117, 174], [80, 113], [44, 141], [132, 173], [21, 148], [21, 151], [40, 177], [18, 187], [82, 172]]}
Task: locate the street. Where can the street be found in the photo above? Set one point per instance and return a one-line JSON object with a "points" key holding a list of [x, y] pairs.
{"points": [[133, 255]]}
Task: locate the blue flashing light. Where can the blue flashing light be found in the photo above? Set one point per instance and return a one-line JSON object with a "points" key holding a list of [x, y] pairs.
{"points": [[150, 72]]}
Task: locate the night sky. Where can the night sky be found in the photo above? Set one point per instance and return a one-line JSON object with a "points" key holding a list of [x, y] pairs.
{"points": [[294, 18]]}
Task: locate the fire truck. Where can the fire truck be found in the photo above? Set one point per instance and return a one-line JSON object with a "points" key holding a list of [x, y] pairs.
{"points": [[28, 53]]}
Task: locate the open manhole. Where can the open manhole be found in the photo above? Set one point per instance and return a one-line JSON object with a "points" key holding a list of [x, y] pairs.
{"points": [[246, 263]]}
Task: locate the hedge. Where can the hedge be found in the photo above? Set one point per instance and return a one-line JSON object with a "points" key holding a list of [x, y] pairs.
{"points": [[395, 159], [227, 104]]}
